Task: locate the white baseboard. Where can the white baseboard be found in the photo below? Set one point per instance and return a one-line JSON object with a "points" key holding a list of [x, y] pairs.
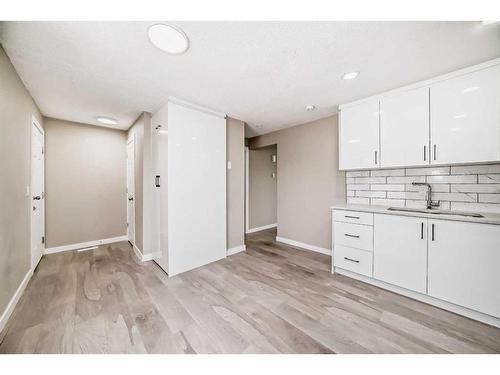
{"points": [[264, 227], [304, 246], [484, 318], [14, 300], [76, 246], [236, 249]]}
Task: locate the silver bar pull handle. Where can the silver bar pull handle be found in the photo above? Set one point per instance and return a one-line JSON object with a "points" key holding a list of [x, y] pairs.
{"points": [[376, 161], [432, 235], [435, 152], [350, 235], [422, 231], [425, 152], [351, 217]]}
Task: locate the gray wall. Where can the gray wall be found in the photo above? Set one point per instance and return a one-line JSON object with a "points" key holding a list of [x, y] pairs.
{"points": [[309, 181], [16, 109], [262, 187], [235, 182], [85, 180]]}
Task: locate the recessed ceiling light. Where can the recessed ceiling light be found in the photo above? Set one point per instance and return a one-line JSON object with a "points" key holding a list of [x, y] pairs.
{"points": [[350, 75], [107, 120], [310, 107], [168, 38]]}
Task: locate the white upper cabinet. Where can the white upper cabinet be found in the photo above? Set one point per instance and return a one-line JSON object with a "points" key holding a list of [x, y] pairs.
{"points": [[359, 136], [404, 129], [463, 264], [465, 118], [400, 251]]}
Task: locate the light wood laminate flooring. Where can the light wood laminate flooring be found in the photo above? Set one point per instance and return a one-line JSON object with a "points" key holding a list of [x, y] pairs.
{"points": [[273, 298]]}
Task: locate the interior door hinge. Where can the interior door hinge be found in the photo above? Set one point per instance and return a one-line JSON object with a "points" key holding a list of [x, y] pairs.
{"points": [[43, 239]]}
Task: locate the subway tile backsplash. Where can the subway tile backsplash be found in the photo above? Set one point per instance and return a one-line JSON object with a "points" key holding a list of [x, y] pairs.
{"points": [[464, 188]]}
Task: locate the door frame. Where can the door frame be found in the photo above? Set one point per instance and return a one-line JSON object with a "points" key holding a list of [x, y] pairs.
{"points": [[129, 140], [34, 123], [247, 189]]}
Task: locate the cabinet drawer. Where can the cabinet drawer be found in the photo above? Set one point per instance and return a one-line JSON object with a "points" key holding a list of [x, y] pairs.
{"points": [[365, 218], [354, 260], [353, 235]]}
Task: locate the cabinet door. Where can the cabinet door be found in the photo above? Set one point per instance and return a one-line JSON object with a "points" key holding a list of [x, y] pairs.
{"points": [[359, 136], [400, 251], [465, 118], [464, 263], [404, 129]]}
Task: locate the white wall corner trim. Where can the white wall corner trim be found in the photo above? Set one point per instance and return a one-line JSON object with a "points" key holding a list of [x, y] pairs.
{"points": [[236, 249], [304, 246], [14, 300], [143, 257], [76, 246], [264, 227]]}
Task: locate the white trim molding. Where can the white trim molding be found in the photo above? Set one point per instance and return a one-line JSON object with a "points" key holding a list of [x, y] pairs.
{"points": [[14, 300], [264, 227], [82, 245], [484, 318], [236, 250], [143, 257], [304, 246]]}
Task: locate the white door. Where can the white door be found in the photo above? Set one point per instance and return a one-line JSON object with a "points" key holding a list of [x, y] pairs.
{"points": [[131, 190], [37, 193], [465, 118], [359, 136], [404, 129], [196, 188], [464, 259], [400, 251]]}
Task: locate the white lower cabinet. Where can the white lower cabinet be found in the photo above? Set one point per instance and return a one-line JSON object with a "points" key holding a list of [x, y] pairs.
{"points": [[400, 251], [456, 263], [464, 264]]}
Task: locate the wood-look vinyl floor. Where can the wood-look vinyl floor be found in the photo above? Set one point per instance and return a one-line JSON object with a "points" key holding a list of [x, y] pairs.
{"points": [[271, 299]]}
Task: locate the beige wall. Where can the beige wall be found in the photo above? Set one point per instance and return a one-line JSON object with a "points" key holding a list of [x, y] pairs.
{"points": [[144, 181], [16, 109], [262, 188], [309, 181], [235, 182], [85, 182]]}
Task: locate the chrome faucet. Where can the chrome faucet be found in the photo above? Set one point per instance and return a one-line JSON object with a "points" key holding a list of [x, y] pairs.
{"points": [[430, 203]]}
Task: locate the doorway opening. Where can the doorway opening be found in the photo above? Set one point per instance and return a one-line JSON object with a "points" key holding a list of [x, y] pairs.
{"points": [[131, 190], [262, 189]]}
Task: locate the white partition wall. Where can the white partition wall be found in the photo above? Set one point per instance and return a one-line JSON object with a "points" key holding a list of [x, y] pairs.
{"points": [[193, 192]]}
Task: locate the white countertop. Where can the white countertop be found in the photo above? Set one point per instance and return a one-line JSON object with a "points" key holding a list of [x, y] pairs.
{"points": [[488, 217]]}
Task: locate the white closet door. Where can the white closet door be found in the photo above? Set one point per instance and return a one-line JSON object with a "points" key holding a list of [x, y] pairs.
{"points": [[196, 188]]}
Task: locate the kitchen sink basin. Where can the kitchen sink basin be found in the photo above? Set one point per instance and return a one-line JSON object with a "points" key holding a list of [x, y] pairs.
{"points": [[435, 212]]}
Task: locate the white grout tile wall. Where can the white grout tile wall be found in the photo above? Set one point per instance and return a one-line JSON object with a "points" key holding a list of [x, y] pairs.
{"points": [[464, 188]]}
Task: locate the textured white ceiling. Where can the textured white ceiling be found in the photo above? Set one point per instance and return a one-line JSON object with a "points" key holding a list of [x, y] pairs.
{"points": [[264, 73]]}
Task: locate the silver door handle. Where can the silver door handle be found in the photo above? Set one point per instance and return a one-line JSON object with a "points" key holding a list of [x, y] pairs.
{"points": [[37, 198], [131, 199]]}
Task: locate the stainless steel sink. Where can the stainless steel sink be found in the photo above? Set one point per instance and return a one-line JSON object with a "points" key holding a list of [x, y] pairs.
{"points": [[435, 212]]}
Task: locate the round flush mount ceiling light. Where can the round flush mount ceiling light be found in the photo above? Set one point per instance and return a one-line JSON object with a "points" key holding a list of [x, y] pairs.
{"points": [[310, 108], [169, 39], [350, 75], [107, 120]]}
